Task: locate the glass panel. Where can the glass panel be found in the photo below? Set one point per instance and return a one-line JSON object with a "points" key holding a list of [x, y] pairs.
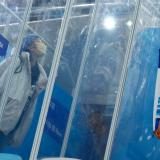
{"points": [[14, 7], [49, 3], [31, 70], [10, 24], [86, 2], [63, 91], [12, 21], [10, 27], [138, 121], [100, 80]]}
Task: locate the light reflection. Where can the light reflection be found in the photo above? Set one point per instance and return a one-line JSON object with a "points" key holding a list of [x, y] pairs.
{"points": [[109, 23], [129, 23]]}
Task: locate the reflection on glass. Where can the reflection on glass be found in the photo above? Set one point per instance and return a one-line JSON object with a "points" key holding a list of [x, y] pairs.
{"points": [[109, 23], [28, 80], [84, 1], [48, 3], [100, 81], [62, 96], [138, 119], [10, 23], [31, 69], [15, 7]]}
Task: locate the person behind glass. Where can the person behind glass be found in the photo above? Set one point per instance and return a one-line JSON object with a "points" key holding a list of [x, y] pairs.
{"points": [[28, 80]]}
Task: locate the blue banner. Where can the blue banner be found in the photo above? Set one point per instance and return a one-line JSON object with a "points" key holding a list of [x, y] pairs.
{"points": [[56, 122], [3, 45]]}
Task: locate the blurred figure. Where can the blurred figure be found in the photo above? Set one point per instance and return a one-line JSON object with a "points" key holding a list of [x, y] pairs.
{"points": [[28, 81]]}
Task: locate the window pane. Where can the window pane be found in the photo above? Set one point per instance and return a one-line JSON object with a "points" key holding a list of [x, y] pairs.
{"points": [[66, 79], [100, 81], [138, 118], [31, 70]]}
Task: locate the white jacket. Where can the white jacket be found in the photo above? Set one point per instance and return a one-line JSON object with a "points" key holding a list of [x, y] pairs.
{"points": [[18, 94]]}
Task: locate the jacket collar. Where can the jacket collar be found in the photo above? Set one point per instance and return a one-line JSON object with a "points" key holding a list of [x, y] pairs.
{"points": [[26, 58]]}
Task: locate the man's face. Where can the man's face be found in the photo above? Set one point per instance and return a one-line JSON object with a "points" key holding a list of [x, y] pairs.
{"points": [[38, 47]]}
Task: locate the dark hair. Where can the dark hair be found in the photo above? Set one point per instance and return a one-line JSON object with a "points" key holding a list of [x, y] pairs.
{"points": [[27, 41]]}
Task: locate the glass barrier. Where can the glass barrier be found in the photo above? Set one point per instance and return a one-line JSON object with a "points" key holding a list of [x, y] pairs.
{"points": [[15, 8], [137, 132], [10, 25], [62, 96], [105, 51], [31, 70], [11, 28], [100, 80]]}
